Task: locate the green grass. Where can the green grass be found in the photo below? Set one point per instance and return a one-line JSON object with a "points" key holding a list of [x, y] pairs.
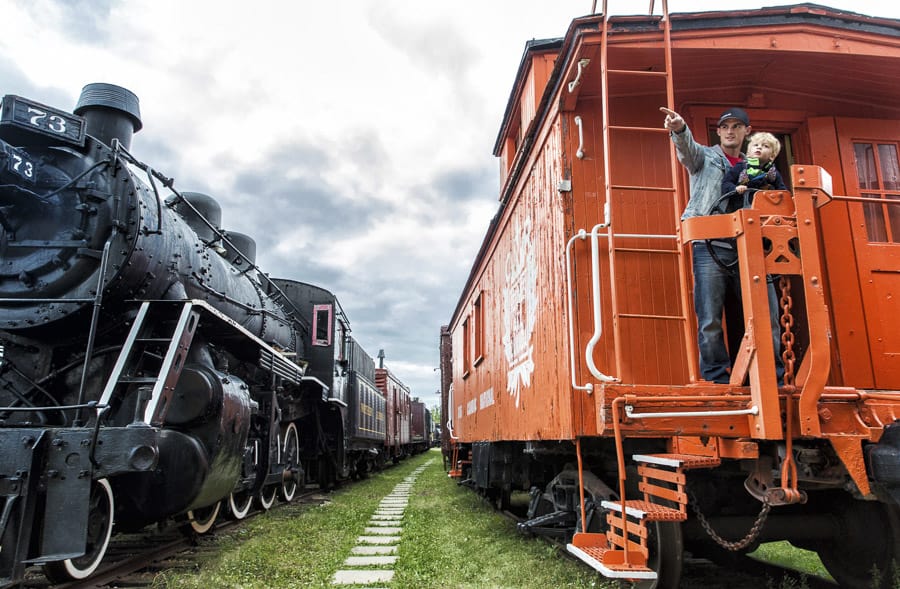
{"points": [[295, 546], [451, 539], [786, 555]]}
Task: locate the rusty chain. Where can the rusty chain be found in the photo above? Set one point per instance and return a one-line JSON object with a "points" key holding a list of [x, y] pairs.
{"points": [[735, 545], [787, 335]]}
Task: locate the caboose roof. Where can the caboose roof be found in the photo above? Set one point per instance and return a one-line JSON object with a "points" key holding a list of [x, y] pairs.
{"points": [[728, 45], [836, 62]]}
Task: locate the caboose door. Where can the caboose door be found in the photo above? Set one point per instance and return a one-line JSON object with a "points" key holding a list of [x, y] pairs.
{"points": [[870, 156]]}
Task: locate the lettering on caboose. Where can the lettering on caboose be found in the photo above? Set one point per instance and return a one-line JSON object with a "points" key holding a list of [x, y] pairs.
{"points": [[519, 309]]}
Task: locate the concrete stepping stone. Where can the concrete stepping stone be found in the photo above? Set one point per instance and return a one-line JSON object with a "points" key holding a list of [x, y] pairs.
{"points": [[362, 561], [362, 577], [383, 531], [373, 550], [377, 539], [378, 547]]}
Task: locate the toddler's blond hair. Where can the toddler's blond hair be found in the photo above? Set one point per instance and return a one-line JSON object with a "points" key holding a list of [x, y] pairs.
{"points": [[767, 139]]}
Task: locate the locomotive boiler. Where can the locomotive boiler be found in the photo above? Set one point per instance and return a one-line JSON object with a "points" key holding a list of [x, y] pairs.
{"points": [[570, 364], [145, 362]]}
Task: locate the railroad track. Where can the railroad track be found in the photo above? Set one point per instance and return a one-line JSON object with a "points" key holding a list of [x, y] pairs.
{"points": [[133, 560]]}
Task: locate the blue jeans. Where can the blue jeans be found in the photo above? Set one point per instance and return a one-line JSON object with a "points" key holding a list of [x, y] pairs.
{"points": [[714, 287]]}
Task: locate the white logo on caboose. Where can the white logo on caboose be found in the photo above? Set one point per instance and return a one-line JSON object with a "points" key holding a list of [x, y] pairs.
{"points": [[519, 309]]}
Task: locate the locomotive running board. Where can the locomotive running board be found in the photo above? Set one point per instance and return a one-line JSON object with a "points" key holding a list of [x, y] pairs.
{"points": [[270, 359]]}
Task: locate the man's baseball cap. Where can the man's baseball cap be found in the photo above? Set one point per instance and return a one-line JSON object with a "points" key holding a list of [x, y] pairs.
{"points": [[735, 113]]}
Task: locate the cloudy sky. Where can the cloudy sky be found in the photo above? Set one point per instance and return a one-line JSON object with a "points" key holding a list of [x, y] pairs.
{"points": [[351, 139]]}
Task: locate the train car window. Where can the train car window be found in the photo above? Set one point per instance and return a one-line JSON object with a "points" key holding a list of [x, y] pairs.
{"points": [[878, 170], [478, 318], [322, 329], [467, 348]]}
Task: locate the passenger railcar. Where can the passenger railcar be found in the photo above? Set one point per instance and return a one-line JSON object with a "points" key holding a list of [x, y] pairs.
{"points": [[149, 371], [574, 357]]}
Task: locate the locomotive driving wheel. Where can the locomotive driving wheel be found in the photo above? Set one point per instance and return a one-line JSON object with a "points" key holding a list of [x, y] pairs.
{"points": [[239, 504], [291, 458], [99, 530], [202, 520], [267, 496], [268, 493]]}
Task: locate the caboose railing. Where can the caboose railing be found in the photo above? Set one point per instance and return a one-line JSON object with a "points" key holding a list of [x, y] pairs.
{"points": [[780, 220]]}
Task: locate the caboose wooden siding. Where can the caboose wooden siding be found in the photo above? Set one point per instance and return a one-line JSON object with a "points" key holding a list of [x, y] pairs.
{"points": [[514, 319], [823, 80]]}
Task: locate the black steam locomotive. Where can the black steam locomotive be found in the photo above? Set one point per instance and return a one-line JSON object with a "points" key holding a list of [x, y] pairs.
{"points": [[149, 371]]}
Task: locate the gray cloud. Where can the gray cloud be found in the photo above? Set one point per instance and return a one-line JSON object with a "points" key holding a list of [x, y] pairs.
{"points": [[431, 46], [92, 17]]}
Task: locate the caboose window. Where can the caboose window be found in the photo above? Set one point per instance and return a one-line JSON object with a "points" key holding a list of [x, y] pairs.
{"points": [[321, 326], [878, 171], [478, 319], [467, 348]]}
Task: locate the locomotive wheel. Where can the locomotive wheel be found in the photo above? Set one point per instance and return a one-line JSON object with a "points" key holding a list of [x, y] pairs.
{"points": [[267, 496], [99, 530], [666, 546], [239, 504], [291, 464], [202, 519], [866, 546]]}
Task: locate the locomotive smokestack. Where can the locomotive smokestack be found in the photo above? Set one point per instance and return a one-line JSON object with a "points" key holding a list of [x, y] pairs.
{"points": [[110, 112]]}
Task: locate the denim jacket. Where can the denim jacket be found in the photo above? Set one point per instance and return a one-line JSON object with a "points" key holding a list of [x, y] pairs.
{"points": [[707, 167]]}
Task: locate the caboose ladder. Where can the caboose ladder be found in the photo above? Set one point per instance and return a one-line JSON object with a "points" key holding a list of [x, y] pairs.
{"points": [[153, 356], [622, 552], [614, 168]]}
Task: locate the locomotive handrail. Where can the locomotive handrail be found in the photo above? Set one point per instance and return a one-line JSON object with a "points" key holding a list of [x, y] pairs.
{"points": [[51, 300], [170, 184], [88, 405], [95, 319]]}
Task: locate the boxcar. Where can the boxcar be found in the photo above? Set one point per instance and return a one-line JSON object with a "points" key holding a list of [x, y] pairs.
{"points": [[574, 371], [420, 426]]}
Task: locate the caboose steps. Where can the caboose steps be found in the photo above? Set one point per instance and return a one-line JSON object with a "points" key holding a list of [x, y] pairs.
{"points": [[645, 510], [622, 552], [593, 550], [686, 461]]}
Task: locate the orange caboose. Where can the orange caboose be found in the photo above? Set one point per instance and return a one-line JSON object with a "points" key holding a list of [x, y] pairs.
{"points": [[574, 343]]}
